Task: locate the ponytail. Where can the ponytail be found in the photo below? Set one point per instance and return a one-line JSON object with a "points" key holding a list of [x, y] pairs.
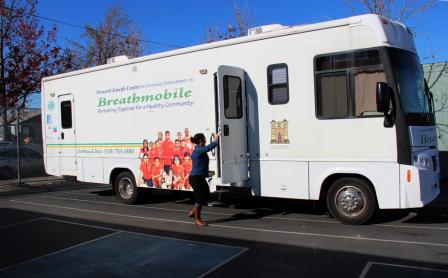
{"points": [[198, 137]]}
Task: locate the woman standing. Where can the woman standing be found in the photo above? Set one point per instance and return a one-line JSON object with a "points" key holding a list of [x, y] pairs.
{"points": [[199, 173], [144, 150], [178, 173]]}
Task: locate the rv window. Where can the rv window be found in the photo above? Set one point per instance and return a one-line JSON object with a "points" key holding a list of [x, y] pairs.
{"points": [[333, 62], [365, 91], [348, 60], [332, 96], [233, 108], [278, 88], [346, 84], [366, 58], [66, 114]]}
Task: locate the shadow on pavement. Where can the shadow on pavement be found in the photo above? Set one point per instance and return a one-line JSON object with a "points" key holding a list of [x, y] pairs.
{"points": [[262, 207]]}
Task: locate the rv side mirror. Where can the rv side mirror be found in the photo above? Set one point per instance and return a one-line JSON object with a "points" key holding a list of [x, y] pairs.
{"points": [[382, 97]]}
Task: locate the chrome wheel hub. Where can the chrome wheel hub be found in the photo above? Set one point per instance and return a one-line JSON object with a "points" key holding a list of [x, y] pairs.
{"points": [[350, 201], [125, 188]]}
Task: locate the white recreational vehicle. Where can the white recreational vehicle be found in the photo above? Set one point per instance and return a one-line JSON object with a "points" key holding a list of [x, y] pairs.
{"points": [[335, 111]]}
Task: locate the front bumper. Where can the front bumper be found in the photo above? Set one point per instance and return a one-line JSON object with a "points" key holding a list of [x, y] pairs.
{"points": [[418, 186]]}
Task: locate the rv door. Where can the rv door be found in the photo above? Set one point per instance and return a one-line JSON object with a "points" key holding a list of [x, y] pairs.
{"points": [[231, 96], [67, 137]]}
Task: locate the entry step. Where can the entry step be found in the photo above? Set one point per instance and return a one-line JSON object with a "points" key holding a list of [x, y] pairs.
{"points": [[230, 195]]}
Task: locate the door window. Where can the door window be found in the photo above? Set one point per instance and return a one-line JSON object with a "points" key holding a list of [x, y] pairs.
{"points": [[66, 114], [233, 108]]}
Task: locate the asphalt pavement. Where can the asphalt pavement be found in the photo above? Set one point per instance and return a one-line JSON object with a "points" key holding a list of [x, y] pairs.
{"points": [[82, 230]]}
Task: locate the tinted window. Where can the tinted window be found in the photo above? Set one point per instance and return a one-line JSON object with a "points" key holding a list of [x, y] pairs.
{"points": [[278, 88], [410, 81], [66, 114], [232, 97], [348, 60], [366, 58], [333, 62]]}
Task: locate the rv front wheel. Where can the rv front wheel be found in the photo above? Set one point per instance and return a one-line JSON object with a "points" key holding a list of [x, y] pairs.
{"points": [[351, 200], [125, 188]]}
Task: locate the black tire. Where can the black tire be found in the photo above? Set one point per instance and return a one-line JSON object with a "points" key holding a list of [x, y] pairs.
{"points": [[125, 188], [351, 200]]}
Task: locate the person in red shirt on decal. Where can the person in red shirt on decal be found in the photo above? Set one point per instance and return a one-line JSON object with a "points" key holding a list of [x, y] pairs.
{"points": [[144, 150], [146, 171], [178, 173], [187, 164], [152, 152], [187, 138], [184, 148], [177, 149], [168, 152], [159, 136], [158, 151], [157, 173], [179, 136]]}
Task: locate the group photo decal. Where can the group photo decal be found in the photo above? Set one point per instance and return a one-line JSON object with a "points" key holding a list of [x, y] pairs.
{"points": [[165, 161]]}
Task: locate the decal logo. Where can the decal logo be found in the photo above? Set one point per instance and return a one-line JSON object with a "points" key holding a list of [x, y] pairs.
{"points": [[427, 139], [279, 132]]}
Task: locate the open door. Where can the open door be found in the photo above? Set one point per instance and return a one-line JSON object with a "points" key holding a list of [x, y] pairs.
{"points": [[231, 99], [67, 137]]}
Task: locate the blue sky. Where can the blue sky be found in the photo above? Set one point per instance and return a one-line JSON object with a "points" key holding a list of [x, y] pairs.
{"points": [[184, 23]]}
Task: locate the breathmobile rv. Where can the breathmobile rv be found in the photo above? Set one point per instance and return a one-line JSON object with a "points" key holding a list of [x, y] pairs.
{"points": [[335, 111]]}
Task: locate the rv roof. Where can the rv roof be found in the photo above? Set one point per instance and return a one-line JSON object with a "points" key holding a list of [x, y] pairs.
{"points": [[264, 35]]}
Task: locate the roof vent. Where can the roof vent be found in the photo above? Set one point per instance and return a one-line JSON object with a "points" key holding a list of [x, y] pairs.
{"points": [[265, 28], [117, 59]]}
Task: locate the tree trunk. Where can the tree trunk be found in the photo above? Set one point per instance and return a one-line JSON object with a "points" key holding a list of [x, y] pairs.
{"points": [[3, 99]]}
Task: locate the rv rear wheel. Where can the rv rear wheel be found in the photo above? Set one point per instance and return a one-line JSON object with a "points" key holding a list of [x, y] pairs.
{"points": [[125, 188], [351, 200]]}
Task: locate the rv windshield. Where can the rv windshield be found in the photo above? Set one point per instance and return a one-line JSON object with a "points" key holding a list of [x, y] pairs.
{"points": [[409, 77]]}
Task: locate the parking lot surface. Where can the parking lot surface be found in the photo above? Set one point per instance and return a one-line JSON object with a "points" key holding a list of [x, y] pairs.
{"points": [[82, 230]]}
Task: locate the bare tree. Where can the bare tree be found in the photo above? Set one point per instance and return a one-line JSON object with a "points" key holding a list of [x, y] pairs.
{"points": [[239, 28], [115, 35], [400, 10]]}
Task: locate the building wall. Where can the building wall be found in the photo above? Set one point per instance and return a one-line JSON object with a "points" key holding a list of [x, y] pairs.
{"points": [[436, 75]]}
